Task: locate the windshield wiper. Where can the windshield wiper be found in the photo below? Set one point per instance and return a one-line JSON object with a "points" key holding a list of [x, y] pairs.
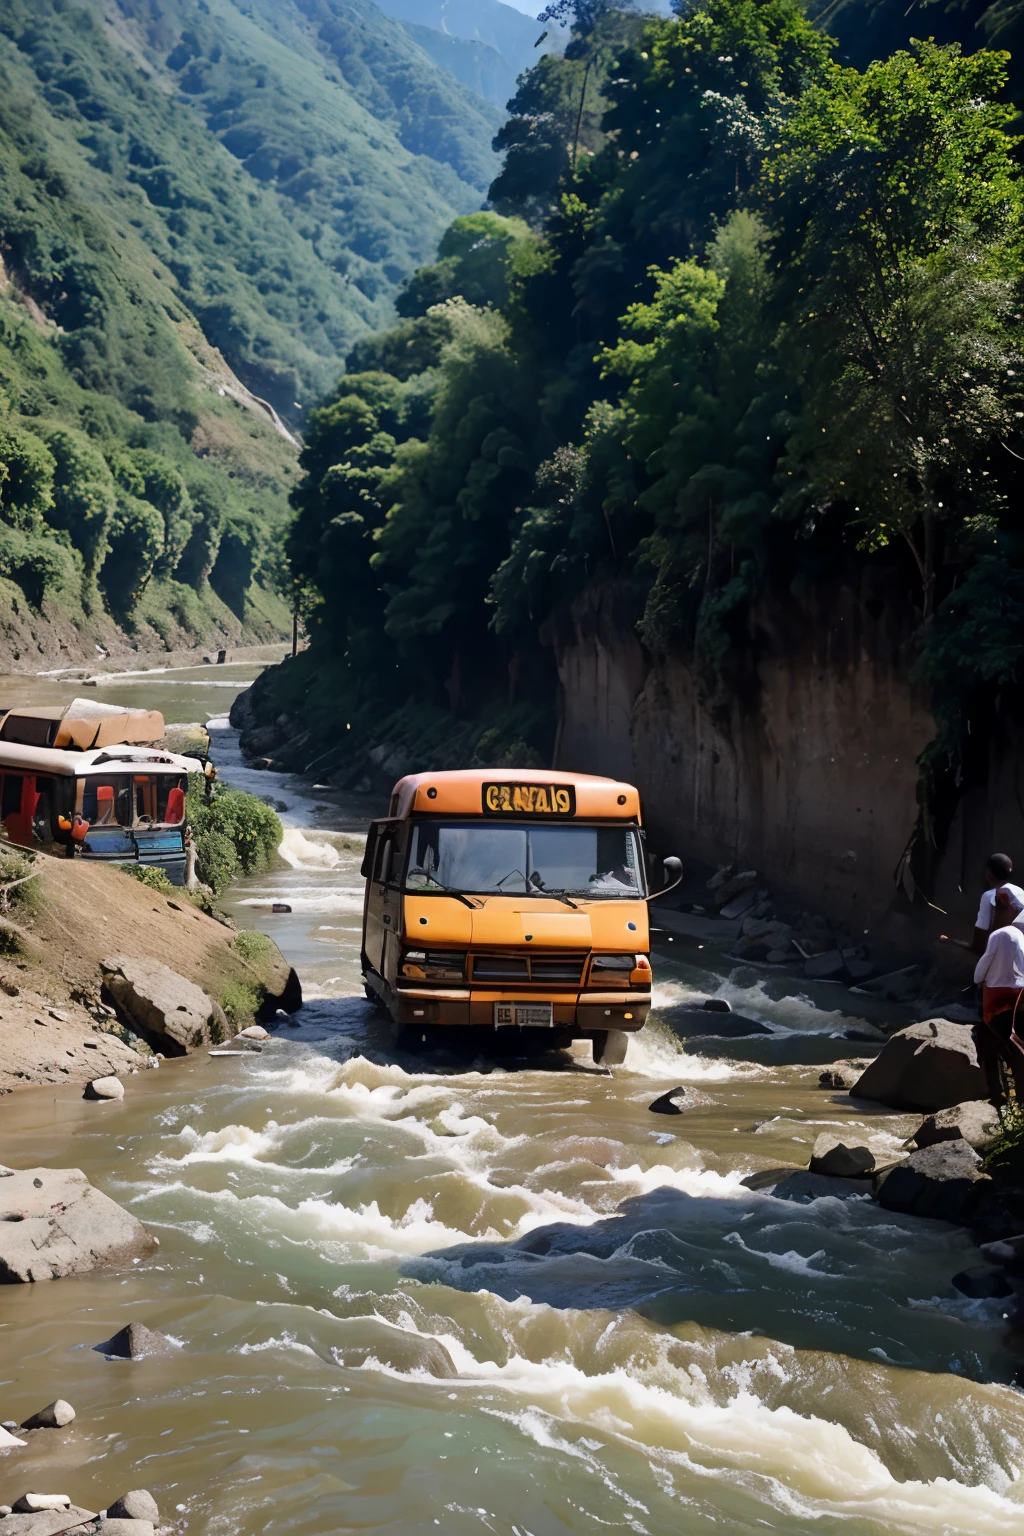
{"points": [[561, 896]]}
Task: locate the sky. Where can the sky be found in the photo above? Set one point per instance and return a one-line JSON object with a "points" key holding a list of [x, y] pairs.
{"points": [[531, 7]]}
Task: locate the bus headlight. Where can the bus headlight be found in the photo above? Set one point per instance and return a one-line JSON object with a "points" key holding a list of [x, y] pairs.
{"points": [[433, 965]]}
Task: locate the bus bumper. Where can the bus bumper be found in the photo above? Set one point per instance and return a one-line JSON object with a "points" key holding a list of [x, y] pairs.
{"points": [[459, 1006]]}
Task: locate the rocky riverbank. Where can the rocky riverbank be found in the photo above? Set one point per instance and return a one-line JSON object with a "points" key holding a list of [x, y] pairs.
{"points": [[101, 974]]}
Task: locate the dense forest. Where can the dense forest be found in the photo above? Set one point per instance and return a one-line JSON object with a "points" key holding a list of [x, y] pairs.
{"points": [[745, 314], [203, 207]]}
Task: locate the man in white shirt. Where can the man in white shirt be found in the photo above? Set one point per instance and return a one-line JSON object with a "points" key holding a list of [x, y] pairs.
{"points": [[997, 875], [997, 878], [1000, 974]]}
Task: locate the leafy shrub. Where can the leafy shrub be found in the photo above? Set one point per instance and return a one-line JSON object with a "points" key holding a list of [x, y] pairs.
{"points": [[145, 874], [233, 832], [241, 1002]]}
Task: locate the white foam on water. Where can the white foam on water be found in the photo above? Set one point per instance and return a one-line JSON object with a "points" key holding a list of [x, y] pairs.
{"points": [[328, 899], [242, 1144], [786, 1015], [301, 852], [218, 723], [791, 1462], [656, 1053]]}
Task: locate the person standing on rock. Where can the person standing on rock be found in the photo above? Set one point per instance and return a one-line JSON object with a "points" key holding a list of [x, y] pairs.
{"points": [[1000, 974]]}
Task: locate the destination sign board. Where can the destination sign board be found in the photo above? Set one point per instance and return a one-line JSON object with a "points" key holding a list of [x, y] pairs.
{"points": [[511, 799]]}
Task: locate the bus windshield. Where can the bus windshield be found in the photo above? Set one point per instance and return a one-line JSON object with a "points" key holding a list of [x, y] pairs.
{"points": [[525, 860]]}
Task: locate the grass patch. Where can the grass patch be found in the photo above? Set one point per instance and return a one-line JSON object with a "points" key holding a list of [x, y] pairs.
{"points": [[254, 947], [241, 1002], [148, 875]]}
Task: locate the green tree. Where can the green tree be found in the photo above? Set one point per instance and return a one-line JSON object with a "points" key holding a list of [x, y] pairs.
{"points": [[898, 204]]}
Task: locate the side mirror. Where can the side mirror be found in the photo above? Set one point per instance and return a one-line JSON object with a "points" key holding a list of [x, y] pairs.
{"points": [[674, 871]]}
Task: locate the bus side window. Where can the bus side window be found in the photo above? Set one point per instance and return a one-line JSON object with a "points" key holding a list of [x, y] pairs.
{"points": [[392, 873], [10, 799], [371, 849], [383, 859]]}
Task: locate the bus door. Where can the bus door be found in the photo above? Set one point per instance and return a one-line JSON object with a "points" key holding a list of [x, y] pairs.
{"points": [[383, 904]]}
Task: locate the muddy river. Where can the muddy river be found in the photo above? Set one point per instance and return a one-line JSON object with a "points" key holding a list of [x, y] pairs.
{"points": [[414, 1293]]}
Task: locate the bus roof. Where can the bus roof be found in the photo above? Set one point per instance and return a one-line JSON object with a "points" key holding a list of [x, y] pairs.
{"points": [[512, 792], [102, 762]]}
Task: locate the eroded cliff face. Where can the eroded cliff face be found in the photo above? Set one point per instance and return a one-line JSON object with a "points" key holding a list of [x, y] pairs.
{"points": [[805, 766]]}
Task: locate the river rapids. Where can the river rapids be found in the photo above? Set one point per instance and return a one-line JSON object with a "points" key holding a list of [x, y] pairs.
{"points": [[417, 1293]]}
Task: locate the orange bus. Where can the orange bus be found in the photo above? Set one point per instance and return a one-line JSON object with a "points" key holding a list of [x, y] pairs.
{"points": [[503, 900]]}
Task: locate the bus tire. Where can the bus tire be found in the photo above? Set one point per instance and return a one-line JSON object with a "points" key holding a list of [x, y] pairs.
{"points": [[610, 1046]]}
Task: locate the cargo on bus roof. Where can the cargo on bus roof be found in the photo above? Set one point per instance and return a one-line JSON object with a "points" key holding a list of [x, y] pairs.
{"points": [[82, 725]]}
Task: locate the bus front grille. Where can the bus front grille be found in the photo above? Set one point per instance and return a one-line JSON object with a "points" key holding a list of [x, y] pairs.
{"points": [[556, 970]]}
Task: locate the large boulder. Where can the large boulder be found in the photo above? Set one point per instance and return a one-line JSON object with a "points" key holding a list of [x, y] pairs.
{"points": [[46, 1522], [175, 1015], [53, 1223], [926, 1066], [975, 1122], [938, 1181], [135, 1342]]}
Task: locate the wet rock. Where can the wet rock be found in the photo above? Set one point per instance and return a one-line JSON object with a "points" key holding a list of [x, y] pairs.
{"points": [[54, 1416], [127, 1527], [975, 1122], [983, 1282], [104, 1088], [1008, 1253], [163, 1006], [7, 1439], [805, 1187], [717, 1005], [778, 956], [395, 1348], [694, 1022], [838, 1159], [253, 1032], [135, 1342], [139, 1504], [928, 1066], [825, 967], [31, 1503], [938, 1181], [761, 928], [54, 1223], [998, 1214], [666, 1104], [842, 1075], [48, 1522]]}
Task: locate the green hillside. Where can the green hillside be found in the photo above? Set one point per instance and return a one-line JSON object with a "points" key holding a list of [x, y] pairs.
{"points": [[202, 207]]}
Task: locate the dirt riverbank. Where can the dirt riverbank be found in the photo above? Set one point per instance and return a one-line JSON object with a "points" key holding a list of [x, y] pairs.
{"points": [[55, 1022]]}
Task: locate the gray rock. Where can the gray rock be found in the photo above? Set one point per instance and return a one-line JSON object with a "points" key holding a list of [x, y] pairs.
{"points": [[54, 1416], [172, 1012], [54, 1223], [134, 1342], [982, 1282], [938, 1181], [253, 1032], [394, 1347], [926, 1066], [824, 967], [842, 1074], [744, 902], [730, 889], [105, 1088], [7, 1438], [666, 1104], [47, 1522], [1007, 1252], [31, 1503], [804, 1187], [5, 1509], [837, 1159], [975, 1122], [126, 1528], [137, 1505], [717, 1005]]}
